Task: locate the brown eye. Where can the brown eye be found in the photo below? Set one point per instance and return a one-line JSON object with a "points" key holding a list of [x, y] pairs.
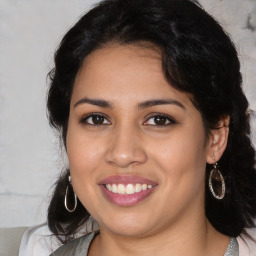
{"points": [[98, 120], [160, 120], [95, 119]]}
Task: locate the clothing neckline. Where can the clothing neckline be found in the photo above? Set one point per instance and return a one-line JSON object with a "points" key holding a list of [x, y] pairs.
{"points": [[81, 245]]}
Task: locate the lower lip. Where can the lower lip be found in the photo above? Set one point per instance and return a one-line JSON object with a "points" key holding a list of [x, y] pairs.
{"points": [[126, 200]]}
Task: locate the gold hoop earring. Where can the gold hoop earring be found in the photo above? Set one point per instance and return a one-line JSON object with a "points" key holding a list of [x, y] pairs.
{"points": [[218, 190], [66, 196]]}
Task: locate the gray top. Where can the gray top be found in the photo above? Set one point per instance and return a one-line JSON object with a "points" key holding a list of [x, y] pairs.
{"points": [[233, 248], [77, 247], [80, 247]]}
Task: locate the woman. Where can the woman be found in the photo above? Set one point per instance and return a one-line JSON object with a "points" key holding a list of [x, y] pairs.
{"points": [[147, 98]]}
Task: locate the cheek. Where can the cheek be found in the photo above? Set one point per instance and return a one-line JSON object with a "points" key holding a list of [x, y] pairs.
{"points": [[83, 151], [181, 148], [182, 159]]}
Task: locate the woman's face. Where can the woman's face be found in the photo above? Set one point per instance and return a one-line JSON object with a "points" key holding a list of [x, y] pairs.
{"points": [[137, 147]]}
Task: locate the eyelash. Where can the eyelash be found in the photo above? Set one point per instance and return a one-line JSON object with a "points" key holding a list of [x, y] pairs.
{"points": [[85, 119], [165, 118]]}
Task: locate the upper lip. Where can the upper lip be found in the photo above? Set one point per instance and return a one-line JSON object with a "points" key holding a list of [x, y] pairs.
{"points": [[126, 179]]}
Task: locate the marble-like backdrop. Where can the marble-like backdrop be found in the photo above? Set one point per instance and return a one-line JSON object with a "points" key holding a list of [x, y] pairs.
{"points": [[29, 152]]}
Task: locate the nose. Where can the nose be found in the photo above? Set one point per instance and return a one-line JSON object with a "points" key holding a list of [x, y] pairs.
{"points": [[126, 147]]}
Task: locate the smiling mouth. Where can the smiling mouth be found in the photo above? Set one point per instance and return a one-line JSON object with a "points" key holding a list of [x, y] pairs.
{"points": [[128, 189]]}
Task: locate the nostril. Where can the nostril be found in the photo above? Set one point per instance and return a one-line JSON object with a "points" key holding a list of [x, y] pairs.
{"points": [[124, 148], [125, 159]]}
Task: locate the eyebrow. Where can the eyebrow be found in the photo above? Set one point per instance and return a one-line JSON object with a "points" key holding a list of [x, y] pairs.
{"points": [[96, 102], [142, 105], [155, 102]]}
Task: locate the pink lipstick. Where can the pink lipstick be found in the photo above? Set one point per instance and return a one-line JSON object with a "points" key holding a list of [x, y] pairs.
{"points": [[126, 190]]}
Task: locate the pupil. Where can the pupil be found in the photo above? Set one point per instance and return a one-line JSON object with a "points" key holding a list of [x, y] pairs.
{"points": [[160, 120], [97, 119]]}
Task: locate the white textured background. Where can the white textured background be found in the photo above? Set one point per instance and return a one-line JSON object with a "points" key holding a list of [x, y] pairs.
{"points": [[29, 153]]}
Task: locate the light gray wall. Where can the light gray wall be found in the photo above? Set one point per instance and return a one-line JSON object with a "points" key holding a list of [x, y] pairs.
{"points": [[29, 153]]}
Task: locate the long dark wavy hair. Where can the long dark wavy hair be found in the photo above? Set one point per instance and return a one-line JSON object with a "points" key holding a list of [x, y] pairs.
{"points": [[198, 58]]}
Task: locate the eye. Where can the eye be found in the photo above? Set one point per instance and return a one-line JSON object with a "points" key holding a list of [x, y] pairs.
{"points": [[160, 120], [95, 119]]}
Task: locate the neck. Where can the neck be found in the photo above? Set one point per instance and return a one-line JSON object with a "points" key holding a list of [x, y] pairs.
{"points": [[187, 238]]}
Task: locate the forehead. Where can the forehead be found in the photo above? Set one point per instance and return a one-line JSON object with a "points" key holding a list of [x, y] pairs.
{"points": [[127, 71], [117, 60]]}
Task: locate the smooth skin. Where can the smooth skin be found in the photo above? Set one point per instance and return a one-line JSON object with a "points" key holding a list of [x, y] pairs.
{"points": [[125, 118]]}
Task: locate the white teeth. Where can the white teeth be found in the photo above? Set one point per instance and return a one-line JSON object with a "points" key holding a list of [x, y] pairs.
{"points": [[144, 186], [114, 188], [121, 189], [109, 187], [129, 189], [137, 187]]}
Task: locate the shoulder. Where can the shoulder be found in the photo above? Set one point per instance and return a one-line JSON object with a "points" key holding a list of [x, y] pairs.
{"points": [[27, 241], [247, 247], [38, 241], [76, 247]]}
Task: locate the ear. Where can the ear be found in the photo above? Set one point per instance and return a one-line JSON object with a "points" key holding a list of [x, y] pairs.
{"points": [[217, 141]]}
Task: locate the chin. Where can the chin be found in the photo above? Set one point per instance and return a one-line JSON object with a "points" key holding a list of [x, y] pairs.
{"points": [[129, 226], [128, 231]]}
